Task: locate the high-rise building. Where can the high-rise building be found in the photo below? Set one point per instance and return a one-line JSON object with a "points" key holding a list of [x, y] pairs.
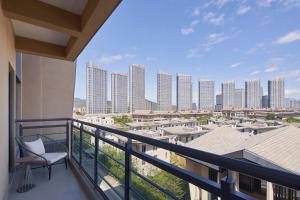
{"points": [[219, 103], [253, 94], [276, 93], [206, 95], [228, 90], [136, 87], [96, 89], [164, 91], [184, 92], [265, 101], [239, 98], [292, 104], [119, 93]]}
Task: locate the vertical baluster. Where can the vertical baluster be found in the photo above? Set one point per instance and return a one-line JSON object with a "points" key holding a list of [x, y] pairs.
{"points": [[228, 184], [80, 145], [96, 157], [67, 135], [128, 146]]}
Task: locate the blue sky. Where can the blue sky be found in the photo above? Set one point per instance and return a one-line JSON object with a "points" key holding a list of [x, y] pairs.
{"points": [[218, 40]]}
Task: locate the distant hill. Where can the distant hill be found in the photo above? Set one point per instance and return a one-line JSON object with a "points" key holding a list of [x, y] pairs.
{"points": [[78, 103]]}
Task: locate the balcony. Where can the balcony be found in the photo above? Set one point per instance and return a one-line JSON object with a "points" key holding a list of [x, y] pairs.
{"points": [[109, 163]]}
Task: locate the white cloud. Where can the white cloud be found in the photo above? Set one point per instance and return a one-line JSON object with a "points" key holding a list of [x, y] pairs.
{"points": [[289, 37], [271, 68], [243, 10], [235, 65], [292, 91], [221, 3], [257, 47], [255, 72], [265, 3], [214, 39], [196, 12], [115, 58], [190, 29], [149, 58], [290, 3], [193, 53], [214, 18]]}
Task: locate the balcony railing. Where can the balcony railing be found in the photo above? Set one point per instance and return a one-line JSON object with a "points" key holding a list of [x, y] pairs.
{"points": [[110, 164]]}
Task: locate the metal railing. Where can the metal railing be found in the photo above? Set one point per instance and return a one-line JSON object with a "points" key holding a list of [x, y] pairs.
{"points": [[89, 156]]}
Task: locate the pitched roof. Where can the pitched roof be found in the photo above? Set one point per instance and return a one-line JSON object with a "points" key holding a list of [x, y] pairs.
{"points": [[278, 148], [219, 141]]}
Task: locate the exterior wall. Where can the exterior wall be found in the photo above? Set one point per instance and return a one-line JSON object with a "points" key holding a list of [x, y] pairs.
{"points": [[276, 89], [164, 91], [253, 94], [228, 89], [206, 99], [200, 170], [7, 56], [96, 89], [119, 93], [184, 92], [47, 87], [136, 87], [239, 98]]}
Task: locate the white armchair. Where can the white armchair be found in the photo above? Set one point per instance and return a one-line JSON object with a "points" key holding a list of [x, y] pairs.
{"points": [[42, 150]]}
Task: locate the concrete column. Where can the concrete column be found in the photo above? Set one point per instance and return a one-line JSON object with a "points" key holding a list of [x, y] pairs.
{"points": [[269, 191], [204, 173], [194, 192]]}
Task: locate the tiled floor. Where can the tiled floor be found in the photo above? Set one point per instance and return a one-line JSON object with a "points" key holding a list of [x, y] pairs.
{"points": [[62, 186]]}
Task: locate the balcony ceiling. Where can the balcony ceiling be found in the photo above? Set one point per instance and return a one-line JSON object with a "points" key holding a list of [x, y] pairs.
{"points": [[56, 28]]}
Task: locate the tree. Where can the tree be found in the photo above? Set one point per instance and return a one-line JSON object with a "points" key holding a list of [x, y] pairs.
{"points": [[270, 116]]}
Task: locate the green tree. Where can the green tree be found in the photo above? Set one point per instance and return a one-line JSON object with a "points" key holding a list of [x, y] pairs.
{"points": [[270, 116]]}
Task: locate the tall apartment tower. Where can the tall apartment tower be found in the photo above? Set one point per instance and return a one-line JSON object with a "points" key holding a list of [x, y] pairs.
{"points": [[219, 103], [119, 92], [164, 91], [96, 89], [239, 98], [206, 92], [253, 94], [136, 87], [184, 92], [228, 90], [276, 93]]}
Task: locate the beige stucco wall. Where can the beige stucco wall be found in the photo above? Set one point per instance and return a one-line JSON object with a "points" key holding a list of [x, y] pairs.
{"points": [[7, 55], [47, 87]]}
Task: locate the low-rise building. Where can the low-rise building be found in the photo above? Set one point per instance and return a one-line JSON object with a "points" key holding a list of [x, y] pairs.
{"points": [[183, 134], [278, 149]]}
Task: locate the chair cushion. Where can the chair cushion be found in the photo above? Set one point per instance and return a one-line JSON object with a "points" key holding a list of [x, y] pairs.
{"points": [[36, 146], [54, 157]]}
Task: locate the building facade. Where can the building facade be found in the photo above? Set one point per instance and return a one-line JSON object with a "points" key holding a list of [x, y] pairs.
{"points": [[239, 98], [219, 103], [228, 90], [136, 87], [119, 93], [276, 95], [206, 94], [253, 94], [184, 92], [265, 101], [96, 89], [164, 91]]}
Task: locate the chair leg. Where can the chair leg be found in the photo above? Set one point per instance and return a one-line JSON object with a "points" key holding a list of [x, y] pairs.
{"points": [[50, 169], [66, 163]]}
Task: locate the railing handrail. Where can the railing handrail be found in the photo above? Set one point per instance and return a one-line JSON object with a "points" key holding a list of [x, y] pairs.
{"points": [[269, 174], [43, 119]]}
